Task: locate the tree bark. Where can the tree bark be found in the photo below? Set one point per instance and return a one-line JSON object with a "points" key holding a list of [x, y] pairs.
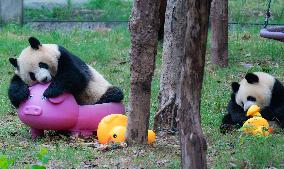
{"points": [[192, 140], [173, 50], [144, 25], [219, 40]]}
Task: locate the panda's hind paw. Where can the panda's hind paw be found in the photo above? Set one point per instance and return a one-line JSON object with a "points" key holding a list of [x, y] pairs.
{"points": [[226, 128]]}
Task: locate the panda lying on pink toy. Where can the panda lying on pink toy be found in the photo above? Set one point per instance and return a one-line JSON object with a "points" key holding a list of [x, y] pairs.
{"points": [[55, 90]]}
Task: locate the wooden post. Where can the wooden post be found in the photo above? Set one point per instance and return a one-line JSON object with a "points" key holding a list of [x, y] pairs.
{"points": [[219, 41], [11, 10], [173, 50], [143, 26], [192, 140]]}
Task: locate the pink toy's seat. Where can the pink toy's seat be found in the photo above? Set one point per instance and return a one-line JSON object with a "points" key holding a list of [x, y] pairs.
{"points": [[63, 113]]}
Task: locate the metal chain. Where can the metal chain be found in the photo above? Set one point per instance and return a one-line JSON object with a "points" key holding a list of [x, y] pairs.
{"points": [[267, 15]]}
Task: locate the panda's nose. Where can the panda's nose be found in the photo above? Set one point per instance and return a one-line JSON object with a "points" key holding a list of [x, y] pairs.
{"points": [[44, 80], [248, 104]]}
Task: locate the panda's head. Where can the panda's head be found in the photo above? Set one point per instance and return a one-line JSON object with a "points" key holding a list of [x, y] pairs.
{"points": [[37, 63], [255, 88]]}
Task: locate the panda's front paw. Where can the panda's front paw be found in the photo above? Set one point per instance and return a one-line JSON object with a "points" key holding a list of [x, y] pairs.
{"points": [[19, 97], [23, 94], [52, 92], [18, 94], [267, 113]]}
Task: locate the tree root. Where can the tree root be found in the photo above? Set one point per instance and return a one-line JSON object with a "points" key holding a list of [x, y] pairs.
{"points": [[162, 109]]}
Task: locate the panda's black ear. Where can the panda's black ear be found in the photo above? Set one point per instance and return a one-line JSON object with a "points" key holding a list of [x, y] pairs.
{"points": [[235, 87], [34, 42], [251, 78], [14, 62]]}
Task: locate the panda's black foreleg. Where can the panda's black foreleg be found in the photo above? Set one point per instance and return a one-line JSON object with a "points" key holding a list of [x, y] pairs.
{"points": [[226, 124], [72, 81], [113, 94], [72, 75], [267, 113], [274, 114], [54, 89], [237, 112], [18, 91], [234, 119]]}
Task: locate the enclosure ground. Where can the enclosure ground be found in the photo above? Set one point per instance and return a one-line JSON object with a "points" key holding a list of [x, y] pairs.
{"points": [[108, 51]]}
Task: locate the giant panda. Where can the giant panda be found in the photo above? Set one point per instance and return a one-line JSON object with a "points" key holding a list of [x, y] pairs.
{"points": [[51, 63], [257, 88]]}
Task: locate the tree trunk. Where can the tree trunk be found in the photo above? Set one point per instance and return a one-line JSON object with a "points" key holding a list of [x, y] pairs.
{"points": [[192, 140], [219, 41], [173, 50], [162, 11], [144, 25]]}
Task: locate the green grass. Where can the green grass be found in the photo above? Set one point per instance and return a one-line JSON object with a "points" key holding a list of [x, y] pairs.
{"points": [[113, 9], [240, 11], [108, 52], [94, 10], [253, 11]]}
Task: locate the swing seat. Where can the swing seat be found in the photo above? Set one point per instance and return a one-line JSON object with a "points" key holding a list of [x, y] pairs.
{"points": [[275, 33]]}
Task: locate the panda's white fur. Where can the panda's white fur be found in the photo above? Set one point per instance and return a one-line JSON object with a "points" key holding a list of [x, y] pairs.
{"points": [[95, 89], [65, 71], [261, 91]]}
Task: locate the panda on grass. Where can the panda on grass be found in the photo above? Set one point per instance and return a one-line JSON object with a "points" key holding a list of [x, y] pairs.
{"points": [[44, 63], [257, 88]]}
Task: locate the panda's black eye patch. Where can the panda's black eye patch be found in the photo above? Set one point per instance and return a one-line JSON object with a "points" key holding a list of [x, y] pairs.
{"points": [[43, 65], [250, 98], [32, 76]]}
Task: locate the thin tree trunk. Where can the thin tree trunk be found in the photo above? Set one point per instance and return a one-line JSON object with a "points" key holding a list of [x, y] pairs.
{"points": [[219, 41], [173, 50], [192, 140], [144, 25]]}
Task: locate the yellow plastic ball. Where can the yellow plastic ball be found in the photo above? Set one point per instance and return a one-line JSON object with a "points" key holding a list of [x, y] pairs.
{"points": [[107, 125], [118, 134], [113, 128], [151, 136]]}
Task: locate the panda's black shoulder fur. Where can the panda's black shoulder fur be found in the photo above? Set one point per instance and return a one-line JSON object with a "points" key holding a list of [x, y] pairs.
{"points": [[277, 93], [72, 75], [69, 63], [275, 111]]}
